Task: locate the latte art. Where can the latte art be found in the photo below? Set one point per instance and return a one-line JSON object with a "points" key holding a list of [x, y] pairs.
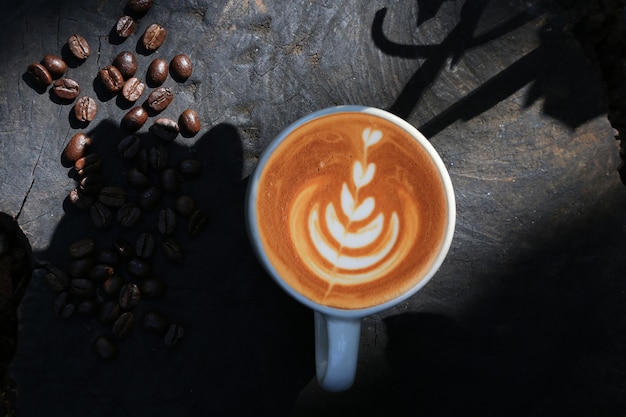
{"points": [[351, 210]]}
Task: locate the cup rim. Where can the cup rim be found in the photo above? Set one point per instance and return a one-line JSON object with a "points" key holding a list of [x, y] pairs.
{"points": [[252, 225]]}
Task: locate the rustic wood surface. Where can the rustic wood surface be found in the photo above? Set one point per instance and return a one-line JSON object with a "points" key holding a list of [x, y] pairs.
{"points": [[525, 316]]}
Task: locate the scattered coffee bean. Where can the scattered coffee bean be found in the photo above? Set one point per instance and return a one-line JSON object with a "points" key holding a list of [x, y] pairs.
{"points": [[159, 157], [126, 63], [82, 287], [154, 322], [108, 257], [104, 347], [79, 199], [167, 221], [88, 164], [189, 122], [112, 285], [87, 307], [181, 67], [157, 72], [134, 119], [143, 160], [85, 109], [144, 246], [75, 149], [79, 268], [128, 215], [139, 6], [66, 88], [111, 78], [100, 273], [152, 288], [130, 295], [197, 222], [169, 180], [173, 335], [165, 129], [82, 248], [91, 184], [123, 325], [62, 307], [56, 279], [123, 248], [160, 98], [101, 215], [171, 250], [40, 75], [109, 311], [112, 196], [137, 178], [129, 146], [79, 47], [55, 65], [190, 167], [154, 36], [133, 89], [125, 26], [184, 205], [138, 267]]}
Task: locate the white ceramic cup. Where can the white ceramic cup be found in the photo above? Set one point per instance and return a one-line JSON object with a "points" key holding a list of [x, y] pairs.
{"points": [[337, 331]]}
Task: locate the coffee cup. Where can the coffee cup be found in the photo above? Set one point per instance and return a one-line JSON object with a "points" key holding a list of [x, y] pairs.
{"points": [[351, 211]]}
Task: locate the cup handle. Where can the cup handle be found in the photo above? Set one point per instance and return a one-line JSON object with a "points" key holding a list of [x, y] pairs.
{"points": [[336, 351]]}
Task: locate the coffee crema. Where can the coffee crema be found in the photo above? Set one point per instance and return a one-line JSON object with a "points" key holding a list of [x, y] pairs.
{"points": [[351, 210]]}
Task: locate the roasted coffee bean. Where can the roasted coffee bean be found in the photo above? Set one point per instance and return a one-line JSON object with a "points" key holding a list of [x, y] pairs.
{"points": [[154, 36], [159, 157], [55, 65], [152, 288], [82, 287], [101, 215], [143, 160], [104, 347], [133, 89], [150, 198], [82, 248], [189, 122], [40, 75], [171, 250], [157, 72], [181, 67], [109, 311], [123, 248], [126, 63], [62, 307], [100, 273], [134, 119], [154, 322], [169, 180], [165, 129], [137, 178], [56, 279], [79, 268], [79, 47], [112, 196], [112, 285], [88, 165], [138, 267], [87, 307], [111, 78], [123, 325], [66, 88], [144, 245], [197, 222], [190, 167], [125, 26], [130, 295], [160, 98], [91, 184], [139, 6], [108, 257], [128, 214], [173, 334], [80, 200], [167, 221], [85, 109], [128, 146], [184, 205], [75, 149]]}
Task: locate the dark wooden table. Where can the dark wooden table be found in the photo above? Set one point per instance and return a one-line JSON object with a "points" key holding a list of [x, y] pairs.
{"points": [[526, 316]]}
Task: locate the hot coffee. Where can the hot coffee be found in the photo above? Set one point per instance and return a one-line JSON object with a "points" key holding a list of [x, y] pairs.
{"points": [[351, 210]]}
